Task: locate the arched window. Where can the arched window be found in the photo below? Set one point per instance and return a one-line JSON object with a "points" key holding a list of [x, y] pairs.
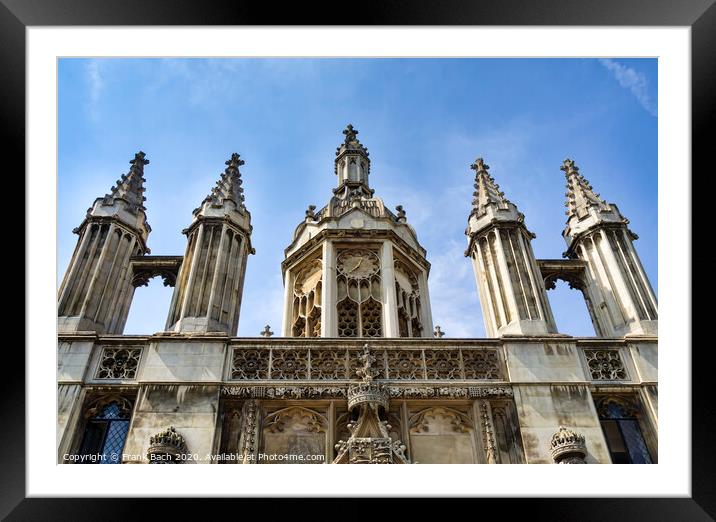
{"points": [[619, 418], [105, 433]]}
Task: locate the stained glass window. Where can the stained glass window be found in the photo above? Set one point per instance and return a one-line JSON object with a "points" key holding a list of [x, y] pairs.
{"points": [[105, 435]]}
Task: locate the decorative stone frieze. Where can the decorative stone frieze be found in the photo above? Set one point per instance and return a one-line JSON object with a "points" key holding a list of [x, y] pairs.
{"points": [[568, 447], [329, 364]]}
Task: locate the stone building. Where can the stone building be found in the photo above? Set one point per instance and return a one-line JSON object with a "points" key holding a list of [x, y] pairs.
{"points": [[359, 372]]}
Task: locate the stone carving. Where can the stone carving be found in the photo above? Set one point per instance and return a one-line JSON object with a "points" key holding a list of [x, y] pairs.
{"points": [[407, 291], [359, 299], [405, 364], [438, 333], [331, 364], [250, 364], [491, 391], [96, 405], [328, 364], [369, 442], [568, 447], [616, 406], [356, 361], [605, 365], [289, 364], [488, 432], [119, 363], [481, 364], [400, 214], [460, 423], [166, 447], [442, 364], [276, 422], [367, 391], [307, 300], [284, 392], [249, 432], [143, 268], [266, 332]]}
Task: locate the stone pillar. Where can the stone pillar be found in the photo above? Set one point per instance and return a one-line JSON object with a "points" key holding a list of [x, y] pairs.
{"points": [[427, 318], [329, 325], [387, 275], [288, 279]]}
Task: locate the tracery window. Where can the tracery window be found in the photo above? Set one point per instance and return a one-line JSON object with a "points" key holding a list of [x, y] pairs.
{"points": [[408, 299], [307, 301], [106, 427], [359, 309], [619, 417]]}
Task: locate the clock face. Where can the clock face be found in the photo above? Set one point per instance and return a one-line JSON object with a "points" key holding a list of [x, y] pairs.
{"points": [[358, 264], [307, 279]]}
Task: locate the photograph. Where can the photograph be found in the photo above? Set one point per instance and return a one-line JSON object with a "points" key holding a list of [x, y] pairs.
{"points": [[357, 260]]}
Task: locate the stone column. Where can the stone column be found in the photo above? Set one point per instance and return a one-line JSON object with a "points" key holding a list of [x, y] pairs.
{"points": [[288, 279], [329, 325], [427, 318], [387, 278]]}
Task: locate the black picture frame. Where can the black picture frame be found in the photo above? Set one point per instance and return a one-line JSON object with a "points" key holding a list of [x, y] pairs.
{"points": [[699, 15]]}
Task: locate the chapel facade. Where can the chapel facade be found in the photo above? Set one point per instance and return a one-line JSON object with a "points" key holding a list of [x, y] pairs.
{"points": [[358, 372]]}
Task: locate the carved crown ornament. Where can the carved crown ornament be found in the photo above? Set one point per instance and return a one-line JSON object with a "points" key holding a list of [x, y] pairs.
{"points": [[568, 447], [166, 447]]}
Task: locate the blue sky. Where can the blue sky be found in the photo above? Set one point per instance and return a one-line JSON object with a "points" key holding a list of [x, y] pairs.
{"points": [[423, 120]]}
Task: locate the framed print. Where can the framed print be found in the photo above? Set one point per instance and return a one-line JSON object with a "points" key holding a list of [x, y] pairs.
{"points": [[422, 238]]}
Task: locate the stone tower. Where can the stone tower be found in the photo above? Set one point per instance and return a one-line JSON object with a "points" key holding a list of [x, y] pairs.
{"points": [[97, 289], [622, 301], [207, 295], [354, 268], [512, 292]]}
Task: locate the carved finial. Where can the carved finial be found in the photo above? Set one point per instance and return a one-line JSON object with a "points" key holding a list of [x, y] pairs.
{"points": [[350, 133], [438, 332], [480, 165], [266, 332], [139, 160], [366, 371], [310, 214], [401, 213], [234, 162], [569, 166]]}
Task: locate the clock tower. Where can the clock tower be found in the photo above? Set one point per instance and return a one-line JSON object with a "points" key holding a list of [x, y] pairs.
{"points": [[354, 268]]}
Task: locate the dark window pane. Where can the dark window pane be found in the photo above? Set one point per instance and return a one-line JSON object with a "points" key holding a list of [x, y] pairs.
{"points": [[93, 438], [116, 434], [615, 442], [635, 442], [105, 435]]}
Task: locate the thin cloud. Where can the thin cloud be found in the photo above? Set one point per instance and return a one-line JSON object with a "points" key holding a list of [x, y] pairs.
{"points": [[633, 80], [95, 86]]}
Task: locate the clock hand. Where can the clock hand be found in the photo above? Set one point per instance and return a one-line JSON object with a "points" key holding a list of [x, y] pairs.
{"points": [[357, 265]]}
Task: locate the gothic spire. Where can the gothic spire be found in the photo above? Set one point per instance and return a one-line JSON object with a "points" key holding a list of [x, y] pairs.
{"points": [[580, 195], [229, 185], [487, 192], [130, 187]]}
